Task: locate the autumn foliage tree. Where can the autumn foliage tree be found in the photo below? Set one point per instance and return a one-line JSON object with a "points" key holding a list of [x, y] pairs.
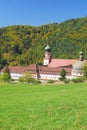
{"points": [[24, 45]]}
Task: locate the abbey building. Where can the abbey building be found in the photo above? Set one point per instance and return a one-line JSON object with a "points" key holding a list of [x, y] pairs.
{"points": [[51, 68]]}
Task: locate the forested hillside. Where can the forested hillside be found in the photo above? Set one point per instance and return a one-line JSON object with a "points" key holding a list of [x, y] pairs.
{"points": [[23, 45]]}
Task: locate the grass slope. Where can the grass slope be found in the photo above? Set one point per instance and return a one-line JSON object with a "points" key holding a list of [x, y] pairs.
{"points": [[43, 107]]}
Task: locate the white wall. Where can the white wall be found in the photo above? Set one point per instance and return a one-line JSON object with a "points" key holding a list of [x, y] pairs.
{"points": [[47, 76], [16, 75]]}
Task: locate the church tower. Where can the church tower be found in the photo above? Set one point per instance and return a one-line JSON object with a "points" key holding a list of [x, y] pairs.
{"points": [[81, 57], [47, 58]]}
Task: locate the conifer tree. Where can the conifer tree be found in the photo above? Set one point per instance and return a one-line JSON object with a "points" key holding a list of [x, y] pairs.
{"points": [[63, 74]]}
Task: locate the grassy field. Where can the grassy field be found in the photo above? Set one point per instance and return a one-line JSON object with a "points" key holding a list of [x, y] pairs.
{"points": [[43, 107]]}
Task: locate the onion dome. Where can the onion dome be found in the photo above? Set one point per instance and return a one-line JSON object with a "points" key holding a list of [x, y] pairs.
{"points": [[78, 66], [47, 48]]}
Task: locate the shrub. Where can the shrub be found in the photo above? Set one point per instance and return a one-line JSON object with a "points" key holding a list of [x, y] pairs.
{"points": [[21, 79], [5, 77], [51, 81], [77, 80], [34, 81], [85, 70], [28, 79], [66, 80]]}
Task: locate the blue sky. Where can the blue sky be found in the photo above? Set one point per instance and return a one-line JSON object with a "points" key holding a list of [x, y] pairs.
{"points": [[39, 12]]}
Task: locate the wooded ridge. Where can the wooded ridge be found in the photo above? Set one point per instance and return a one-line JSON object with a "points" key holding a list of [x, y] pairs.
{"points": [[23, 45]]}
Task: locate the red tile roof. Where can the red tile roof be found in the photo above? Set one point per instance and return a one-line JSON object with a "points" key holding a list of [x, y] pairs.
{"points": [[40, 69], [53, 70], [21, 69], [54, 67], [61, 62]]}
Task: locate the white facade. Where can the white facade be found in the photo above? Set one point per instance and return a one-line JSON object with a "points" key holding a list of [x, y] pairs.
{"points": [[16, 76]]}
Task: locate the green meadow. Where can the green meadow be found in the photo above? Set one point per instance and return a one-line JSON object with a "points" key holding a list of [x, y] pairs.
{"points": [[43, 107]]}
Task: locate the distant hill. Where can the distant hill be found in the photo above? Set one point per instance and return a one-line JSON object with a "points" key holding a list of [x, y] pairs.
{"points": [[23, 45]]}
